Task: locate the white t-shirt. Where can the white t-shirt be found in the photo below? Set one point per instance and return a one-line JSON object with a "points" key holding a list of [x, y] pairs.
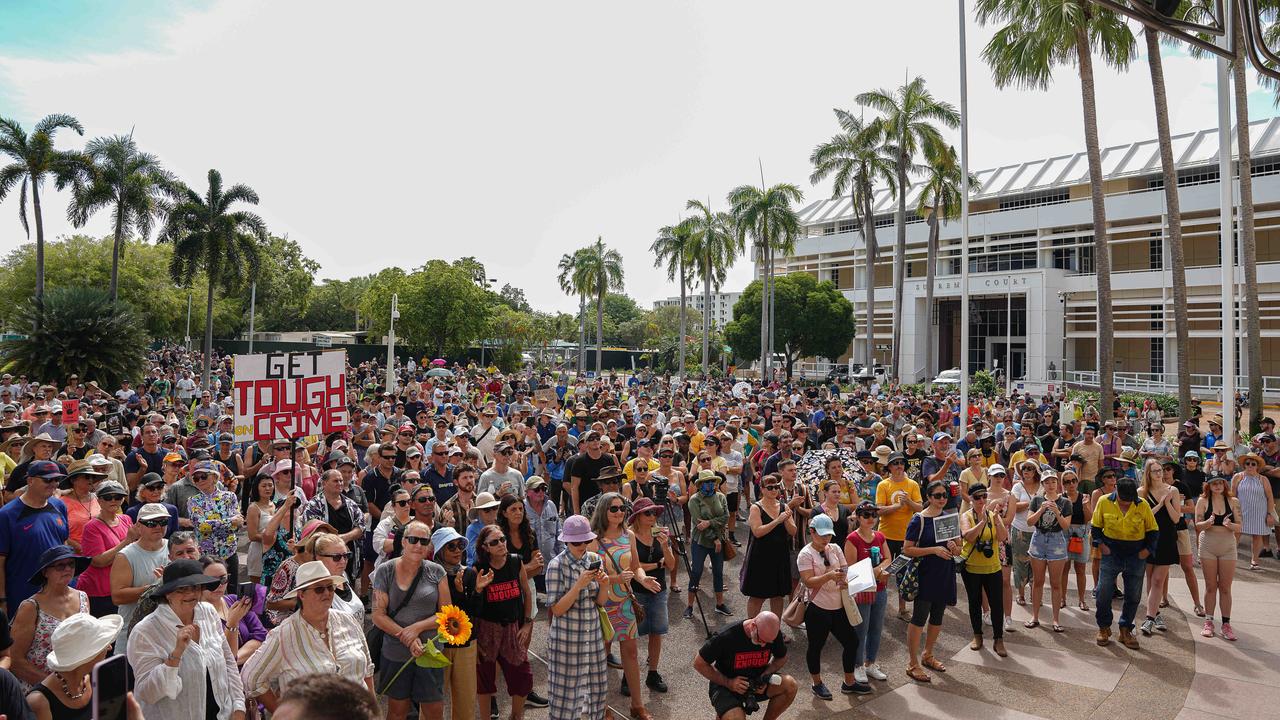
{"points": [[186, 388], [491, 480]]}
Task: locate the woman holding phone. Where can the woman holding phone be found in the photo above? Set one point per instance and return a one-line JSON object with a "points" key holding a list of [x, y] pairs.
{"points": [[244, 629], [577, 672]]}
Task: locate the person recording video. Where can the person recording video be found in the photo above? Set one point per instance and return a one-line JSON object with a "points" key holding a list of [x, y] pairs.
{"points": [[741, 662]]}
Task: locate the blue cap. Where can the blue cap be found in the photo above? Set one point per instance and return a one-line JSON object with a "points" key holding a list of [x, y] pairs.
{"points": [[822, 525], [444, 536], [940, 435], [46, 470]]}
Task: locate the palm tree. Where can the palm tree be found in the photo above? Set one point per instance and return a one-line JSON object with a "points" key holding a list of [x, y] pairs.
{"points": [[1248, 240], [35, 160], [716, 245], [939, 201], [858, 158], [768, 216], [909, 113], [1169, 172], [568, 267], [1038, 35], [597, 271], [207, 234], [130, 182], [671, 248]]}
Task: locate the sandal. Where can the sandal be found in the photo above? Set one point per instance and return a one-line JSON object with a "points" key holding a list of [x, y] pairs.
{"points": [[933, 663], [1254, 566], [1059, 629], [1164, 603], [1031, 624], [1022, 600], [1084, 606], [639, 713], [919, 675], [904, 615]]}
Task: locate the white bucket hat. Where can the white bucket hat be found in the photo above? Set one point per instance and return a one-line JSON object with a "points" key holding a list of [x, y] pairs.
{"points": [[310, 573], [80, 638]]}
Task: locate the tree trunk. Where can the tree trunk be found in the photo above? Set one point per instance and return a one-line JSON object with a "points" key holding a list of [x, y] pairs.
{"points": [[869, 237], [682, 315], [35, 204], [706, 315], [115, 252], [600, 328], [931, 259], [1102, 248], [582, 334], [899, 265], [1248, 242], [208, 337], [1174, 211], [773, 307], [764, 315]]}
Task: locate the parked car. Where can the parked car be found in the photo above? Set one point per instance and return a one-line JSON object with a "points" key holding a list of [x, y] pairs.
{"points": [[948, 377]]}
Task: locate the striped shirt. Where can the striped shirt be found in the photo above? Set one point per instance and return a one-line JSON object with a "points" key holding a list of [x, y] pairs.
{"points": [[294, 649]]}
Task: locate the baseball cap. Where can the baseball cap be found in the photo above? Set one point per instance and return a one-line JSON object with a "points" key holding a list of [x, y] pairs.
{"points": [[940, 436], [152, 511], [996, 469], [822, 525], [174, 457]]}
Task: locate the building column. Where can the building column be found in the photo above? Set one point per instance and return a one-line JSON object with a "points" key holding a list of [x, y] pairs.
{"points": [[1044, 339]]}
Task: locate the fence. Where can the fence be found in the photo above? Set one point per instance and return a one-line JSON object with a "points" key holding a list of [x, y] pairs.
{"points": [[1202, 385]]}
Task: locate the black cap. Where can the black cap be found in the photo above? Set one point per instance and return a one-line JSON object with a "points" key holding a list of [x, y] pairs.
{"points": [[896, 457], [866, 455], [151, 480], [1127, 489]]}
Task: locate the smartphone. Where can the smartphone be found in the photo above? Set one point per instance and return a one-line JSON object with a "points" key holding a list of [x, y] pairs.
{"points": [[594, 562], [247, 590], [110, 689]]}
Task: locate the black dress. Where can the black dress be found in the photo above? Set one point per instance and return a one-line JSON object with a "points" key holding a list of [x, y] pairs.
{"points": [[1167, 545], [767, 572]]}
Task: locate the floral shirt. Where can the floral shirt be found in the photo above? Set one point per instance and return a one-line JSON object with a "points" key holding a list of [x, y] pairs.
{"points": [[211, 515]]}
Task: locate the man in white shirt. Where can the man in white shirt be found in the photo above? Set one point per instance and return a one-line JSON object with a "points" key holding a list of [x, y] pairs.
{"points": [[186, 387], [502, 479]]}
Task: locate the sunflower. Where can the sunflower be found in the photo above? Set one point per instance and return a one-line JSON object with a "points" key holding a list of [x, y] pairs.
{"points": [[453, 625]]}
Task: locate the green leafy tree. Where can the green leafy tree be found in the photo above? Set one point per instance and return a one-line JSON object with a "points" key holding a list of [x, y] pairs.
{"points": [[284, 286], [84, 332], [598, 270], [568, 280], [208, 235], [128, 182], [856, 159], [717, 243], [671, 250], [36, 160], [769, 217], [442, 309], [475, 269], [1035, 37], [908, 117], [813, 318], [513, 297]]}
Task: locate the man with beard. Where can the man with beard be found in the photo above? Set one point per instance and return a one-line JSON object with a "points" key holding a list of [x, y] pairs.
{"points": [[454, 512]]}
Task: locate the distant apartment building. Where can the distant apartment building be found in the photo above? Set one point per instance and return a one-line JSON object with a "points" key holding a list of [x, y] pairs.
{"points": [[721, 306]]}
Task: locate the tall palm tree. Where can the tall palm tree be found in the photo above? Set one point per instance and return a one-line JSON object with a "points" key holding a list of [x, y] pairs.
{"points": [[716, 245], [35, 160], [1248, 239], [1038, 35], [598, 270], [769, 217], [130, 182], [671, 248], [909, 113], [208, 234], [568, 267], [939, 201], [1173, 209], [857, 158]]}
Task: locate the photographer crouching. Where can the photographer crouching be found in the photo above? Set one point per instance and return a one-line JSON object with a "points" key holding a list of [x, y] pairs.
{"points": [[742, 662]]}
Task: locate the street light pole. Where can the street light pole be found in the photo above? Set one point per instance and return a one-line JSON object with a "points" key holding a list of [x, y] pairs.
{"points": [[391, 343], [253, 304], [188, 335], [964, 229], [1228, 236]]}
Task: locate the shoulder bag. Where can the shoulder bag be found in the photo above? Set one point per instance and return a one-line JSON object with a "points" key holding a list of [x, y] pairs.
{"points": [[909, 576], [375, 635]]}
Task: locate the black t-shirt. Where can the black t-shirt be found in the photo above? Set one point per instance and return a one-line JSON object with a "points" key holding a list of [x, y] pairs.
{"points": [[649, 554], [732, 653], [587, 469], [1194, 481], [13, 701], [1049, 523], [503, 600], [340, 518], [377, 489], [1186, 493], [914, 461], [155, 460]]}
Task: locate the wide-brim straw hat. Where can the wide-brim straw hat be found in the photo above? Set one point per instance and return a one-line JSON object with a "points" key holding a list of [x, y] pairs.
{"points": [[310, 573], [80, 638]]}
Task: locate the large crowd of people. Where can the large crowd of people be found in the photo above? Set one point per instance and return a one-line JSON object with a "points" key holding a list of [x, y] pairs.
{"points": [[278, 577]]}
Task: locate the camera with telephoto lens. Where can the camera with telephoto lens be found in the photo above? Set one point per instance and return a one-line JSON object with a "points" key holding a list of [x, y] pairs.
{"points": [[985, 547], [661, 489], [749, 702]]}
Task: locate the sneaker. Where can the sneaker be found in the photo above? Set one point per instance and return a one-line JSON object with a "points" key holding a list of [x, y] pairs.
{"points": [[687, 614], [722, 609], [821, 691], [858, 688], [1207, 631], [1119, 594], [1148, 626], [736, 542], [614, 662], [1160, 623], [494, 712], [986, 618], [654, 681], [1008, 624], [1228, 633], [875, 673], [625, 690], [535, 700], [860, 674]]}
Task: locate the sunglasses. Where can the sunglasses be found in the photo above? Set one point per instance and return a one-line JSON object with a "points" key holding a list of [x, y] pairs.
{"points": [[981, 496], [63, 565], [536, 490], [652, 513], [868, 515], [155, 522], [615, 508], [439, 454], [322, 590], [425, 498], [496, 542], [222, 579], [455, 546], [416, 539], [938, 496], [336, 557], [774, 488], [111, 498], [401, 503]]}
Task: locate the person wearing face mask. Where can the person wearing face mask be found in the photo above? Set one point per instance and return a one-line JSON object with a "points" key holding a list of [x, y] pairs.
{"points": [[709, 514]]}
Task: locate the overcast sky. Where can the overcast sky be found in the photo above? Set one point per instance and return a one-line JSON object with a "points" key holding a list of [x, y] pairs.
{"points": [[389, 133]]}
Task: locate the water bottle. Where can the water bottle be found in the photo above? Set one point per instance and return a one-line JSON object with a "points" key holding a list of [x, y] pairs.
{"points": [[875, 555]]}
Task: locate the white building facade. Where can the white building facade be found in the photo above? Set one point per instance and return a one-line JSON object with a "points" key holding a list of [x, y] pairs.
{"points": [[1032, 286], [721, 306]]}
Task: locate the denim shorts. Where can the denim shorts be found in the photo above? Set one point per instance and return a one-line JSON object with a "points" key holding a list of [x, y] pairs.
{"points": [[1048, 546], [1082, 532], [419, 684], [655, 613]]}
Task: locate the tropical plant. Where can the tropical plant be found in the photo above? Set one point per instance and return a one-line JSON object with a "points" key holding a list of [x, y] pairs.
{"points": [[768, 216], [1036, 36], [129, 182], [671, 249], [983, 384], [209, 235], [84, 332], [857, 158], [814, 319], [716, 246], [568, 268], [597, 270], [939, 201], [908, 116], [35, 160]]}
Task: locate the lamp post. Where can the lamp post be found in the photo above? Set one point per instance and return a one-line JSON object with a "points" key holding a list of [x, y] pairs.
{"points": [[391, 343], [964, 229]]}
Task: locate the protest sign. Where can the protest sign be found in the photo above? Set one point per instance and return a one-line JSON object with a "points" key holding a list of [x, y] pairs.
{"points": [[289, 395], [70, 412]]}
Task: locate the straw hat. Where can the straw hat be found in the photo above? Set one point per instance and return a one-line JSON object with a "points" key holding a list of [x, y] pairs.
{"points": [[80, 638], [31, 443], [310, 573]]}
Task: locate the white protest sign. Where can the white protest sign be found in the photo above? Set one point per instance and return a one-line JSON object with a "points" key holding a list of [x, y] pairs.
{"points": [[289, 395]]}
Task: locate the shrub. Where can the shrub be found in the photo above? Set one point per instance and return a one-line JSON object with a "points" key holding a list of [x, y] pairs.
{"points": [[984, 383], [1167, 403], [82, 333]]}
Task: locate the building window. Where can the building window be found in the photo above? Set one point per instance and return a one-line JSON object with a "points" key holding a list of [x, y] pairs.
{"points": [[1194, 176], [884, 221], [1155, 251], [1157, 356], [1004, 253], [1052, 197], [846, 227], [834, 276], [828, 229], [1074, 254]]}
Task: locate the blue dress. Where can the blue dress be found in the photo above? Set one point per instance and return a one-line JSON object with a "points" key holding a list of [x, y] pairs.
{"points": [[937, 575]]}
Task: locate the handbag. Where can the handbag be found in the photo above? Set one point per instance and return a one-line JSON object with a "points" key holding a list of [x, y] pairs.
{"points": [[727, 549], [909, 576], [606, 627], [376, 635], [1075, 544], [851, 609], [793, 615], [636, 608]]}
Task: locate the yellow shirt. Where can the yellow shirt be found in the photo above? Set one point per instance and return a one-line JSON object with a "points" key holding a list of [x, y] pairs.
{"points": [[894, 525], [1131, 526], [7, 464], [976, 561], [630, 471], [695, 442]]}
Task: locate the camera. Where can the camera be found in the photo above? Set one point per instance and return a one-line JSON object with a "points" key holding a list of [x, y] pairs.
{"points": [[749, 702], [593, 562], [985, 547], [661, 489]]}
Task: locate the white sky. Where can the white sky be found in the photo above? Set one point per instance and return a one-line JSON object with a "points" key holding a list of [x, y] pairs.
{"points": [[389, 133]]}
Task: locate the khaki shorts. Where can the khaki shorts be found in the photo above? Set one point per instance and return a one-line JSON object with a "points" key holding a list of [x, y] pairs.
{"points": [[1184, 542]]}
